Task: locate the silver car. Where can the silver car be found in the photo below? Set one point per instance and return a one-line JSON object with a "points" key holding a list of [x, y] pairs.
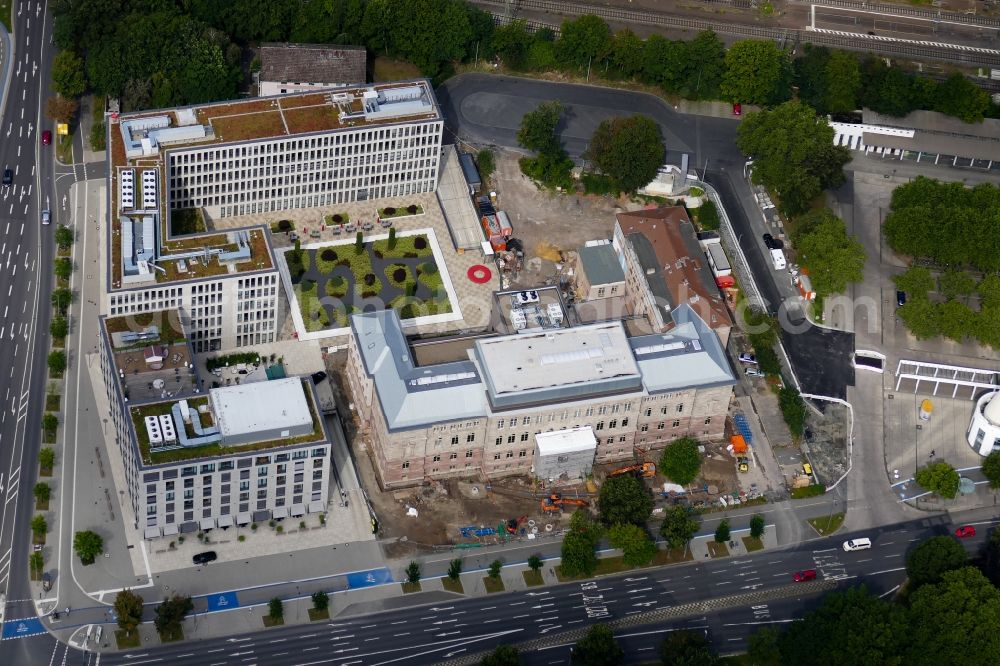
{"points": [[46, 217]]}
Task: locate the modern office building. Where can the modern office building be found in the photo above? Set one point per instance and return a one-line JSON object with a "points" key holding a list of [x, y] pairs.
{"points": [[291, 68], [484, 413], [984, 429], [171, 173], [665, 268], [199, 456]]}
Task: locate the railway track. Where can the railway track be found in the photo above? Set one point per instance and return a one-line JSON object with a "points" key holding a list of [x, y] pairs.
{"points": [[970, 56]]}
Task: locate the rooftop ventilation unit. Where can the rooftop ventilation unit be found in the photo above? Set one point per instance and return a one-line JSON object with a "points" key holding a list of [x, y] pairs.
{"points": [[153, 431]]}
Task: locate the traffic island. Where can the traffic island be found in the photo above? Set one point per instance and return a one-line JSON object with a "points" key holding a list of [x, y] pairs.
{"points": [[827, 525], [612, 565]]}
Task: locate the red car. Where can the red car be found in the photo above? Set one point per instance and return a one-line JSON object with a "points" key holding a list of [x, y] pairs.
{"points": [[803, 576], [965, 531], [46, 138], [737, 109]]}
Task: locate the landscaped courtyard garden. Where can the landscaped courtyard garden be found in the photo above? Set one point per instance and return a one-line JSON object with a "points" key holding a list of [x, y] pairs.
{"points": [[335, 281]]}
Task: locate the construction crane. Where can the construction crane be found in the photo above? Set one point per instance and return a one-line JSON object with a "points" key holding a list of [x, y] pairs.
{"points": [[645, 470], [556, 502]]}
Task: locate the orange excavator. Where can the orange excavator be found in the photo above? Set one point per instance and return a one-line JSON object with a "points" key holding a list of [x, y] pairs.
{"points": [[646, 470], [556, 502]]}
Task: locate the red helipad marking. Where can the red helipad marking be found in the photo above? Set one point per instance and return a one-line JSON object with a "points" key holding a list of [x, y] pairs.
{"points": [[479, 274]]}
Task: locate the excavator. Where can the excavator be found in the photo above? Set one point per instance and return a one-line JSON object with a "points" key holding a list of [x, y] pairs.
{"points": [[646, 470], [514, 524], [556, 502]]}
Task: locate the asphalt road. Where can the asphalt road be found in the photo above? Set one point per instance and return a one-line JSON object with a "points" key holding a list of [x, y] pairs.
{"points": [[433, 633]]}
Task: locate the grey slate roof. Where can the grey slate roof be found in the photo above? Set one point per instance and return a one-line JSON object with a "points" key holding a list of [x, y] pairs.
{"points": [[312, 63], [646, 254], [600, 263]]}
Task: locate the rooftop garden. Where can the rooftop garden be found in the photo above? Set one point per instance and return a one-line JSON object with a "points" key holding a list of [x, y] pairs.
{"points": [[390, 211], [184, 221], [333, 282], [168, 321], [161, 456]]}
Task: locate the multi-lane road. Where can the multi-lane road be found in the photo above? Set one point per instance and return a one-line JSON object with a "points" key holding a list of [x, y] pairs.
{"points": [[758, 590], [26, 254]]}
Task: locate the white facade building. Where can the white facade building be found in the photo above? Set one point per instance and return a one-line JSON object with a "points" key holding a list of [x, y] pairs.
{"points": [[984, 430]]}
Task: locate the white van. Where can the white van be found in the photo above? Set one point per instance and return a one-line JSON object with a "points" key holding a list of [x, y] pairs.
{"points": [[860, 543]]}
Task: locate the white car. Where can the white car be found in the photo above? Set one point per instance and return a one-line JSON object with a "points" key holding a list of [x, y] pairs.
{"points": [[753, 372], [46, 217], [746, 357]]}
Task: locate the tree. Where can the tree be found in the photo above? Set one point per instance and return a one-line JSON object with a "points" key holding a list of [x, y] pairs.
{"points": [[989, 291], [61, 109], [811, 76], [627, 52], [50, 422], [762, 648], [494, 570], [511, 42], [57, 361], [431, 33], [920, 318], [128, 608], [834, 258], [68, 78], [704, 66], [990, 560], [36, 561], [886, 89], [276, 610], [793, 410], [64, 237], [843, 82], [538, 128], [991, 469], [39, 526], [956, 283], [940, 478], [917, 281], [486, 163], [455, 569], [578, 556], [321, 600], [598, 647], [681, 461], [853, 627], [59, 327], [359, 243], [628, 150], [722, 531], [952, 617], [757, 72], [46, 458], [535, 563], [624, 499], [685, 647], [413, 573], [679, 526], [708, 215], [932, 558], [42, 492], [960, 97], [503, 655], [392, 238], [61, 299], [87, 545], [63, 268], [757, 526], [170, 614], [636, 546], [583, 41], [793, 154]]}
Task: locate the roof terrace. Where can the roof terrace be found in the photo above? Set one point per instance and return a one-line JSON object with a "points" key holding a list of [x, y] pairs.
{"points": [[151, 355]]}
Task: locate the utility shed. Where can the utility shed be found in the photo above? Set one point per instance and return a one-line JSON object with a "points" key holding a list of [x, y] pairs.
{"points": [[565, 453], [261, 411], [470, 171]]}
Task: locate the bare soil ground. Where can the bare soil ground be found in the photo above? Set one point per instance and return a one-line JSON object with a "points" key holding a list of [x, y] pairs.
{"points": [[826, 441]]}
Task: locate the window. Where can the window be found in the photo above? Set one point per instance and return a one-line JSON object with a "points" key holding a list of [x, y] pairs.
{"points": [[522, 454], [625, 422], [644, 427], [613, 423], [406, 465], [468, 454], [611, 440], [513, 422], [452, 456], [496, 456], [600, 292], [471, 437], [436, 459], [500, 424], [649, 411], [510, 454], [621, 440], [499, 441], [680, 408], [454, 440], [317, 474], [511, 439], [599, 426], [262, 483], [659, 426], [524, 437], [188, 494], [675, 424], [708, 420]]}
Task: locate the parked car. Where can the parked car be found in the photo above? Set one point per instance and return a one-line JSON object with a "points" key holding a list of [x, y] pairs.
{"points": [[965, 531], [769, 242], [746, 357], [46, 138], [318, 377], [8, 176], [753, 372], [803, 576], [205, 558], [737, 109], [900, 298]]}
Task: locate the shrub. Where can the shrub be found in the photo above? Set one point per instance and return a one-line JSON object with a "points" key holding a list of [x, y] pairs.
{"points": [[39, 526], [59, 327], [389, 211], [814, 490], [275, 609], [57, 361], [399, 275], [392, 239], [307, 285], [411, 209], [285, 225], [359, 243], [328, 255], [494, 570], [420, 243], [50, 422], [708, 216], [338, 218], [793, 410], [722, 531], [757, 526], [413, 573], [369, 279], [455, 569], [321, 600], [42, 492], [534, 563]]}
